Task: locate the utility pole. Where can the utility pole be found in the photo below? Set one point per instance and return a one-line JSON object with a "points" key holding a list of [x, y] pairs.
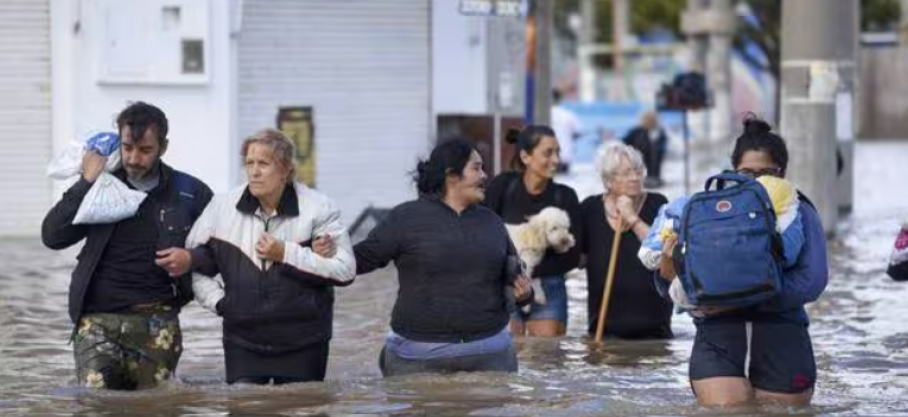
{"points": [[903, 25], [505, 58], [542, 72], [584, 56], [718, 74], [696, 39], [621, 29], [819, 43], [709, 25]]}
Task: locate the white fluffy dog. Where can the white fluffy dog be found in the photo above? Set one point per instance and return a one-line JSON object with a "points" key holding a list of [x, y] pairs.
{"points": [[550, 228]]}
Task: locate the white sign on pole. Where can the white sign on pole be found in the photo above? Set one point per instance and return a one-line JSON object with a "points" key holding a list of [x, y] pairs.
{"points": [[501, 8]]}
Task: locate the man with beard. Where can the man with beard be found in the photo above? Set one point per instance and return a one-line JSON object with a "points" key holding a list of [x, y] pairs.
{"points": [[122, 299]]}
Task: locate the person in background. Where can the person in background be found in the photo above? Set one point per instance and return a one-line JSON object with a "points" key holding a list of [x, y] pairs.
{"points": [[650, 139], [523, 192], [636, 310], [567, 129], [123, 299]]}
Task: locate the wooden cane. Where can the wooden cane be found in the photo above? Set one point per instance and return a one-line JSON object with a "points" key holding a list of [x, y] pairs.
{"points": [[609, 280]]}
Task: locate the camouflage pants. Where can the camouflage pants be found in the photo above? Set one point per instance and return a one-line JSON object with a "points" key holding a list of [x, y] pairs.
{"points": [[127, 351]]}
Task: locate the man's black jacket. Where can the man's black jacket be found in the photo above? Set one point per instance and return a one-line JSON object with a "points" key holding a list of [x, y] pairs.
{"points": [[182, 198]]}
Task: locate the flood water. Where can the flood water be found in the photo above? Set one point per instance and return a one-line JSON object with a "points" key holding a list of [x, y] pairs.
{"points": [[860, 329]]}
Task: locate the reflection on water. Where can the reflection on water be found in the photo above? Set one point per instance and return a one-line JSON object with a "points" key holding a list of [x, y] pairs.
{"points": [[860, 330]]}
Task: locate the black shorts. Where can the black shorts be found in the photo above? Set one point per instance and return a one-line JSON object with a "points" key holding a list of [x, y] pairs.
{"points": [[781, 354], [304, 365]]}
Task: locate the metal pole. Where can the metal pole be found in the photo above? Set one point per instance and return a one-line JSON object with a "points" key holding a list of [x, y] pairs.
{"points": [[686, 133], [718, 67], [697, 42], [693, 25], [903, 25], [584, 56], [496, 142], [542, 90], [818, 63], [620, 18], [620, 32]]}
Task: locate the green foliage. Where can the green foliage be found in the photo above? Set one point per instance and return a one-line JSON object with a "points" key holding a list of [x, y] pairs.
{"points": [[649, 15], [879, 15], [646, 16]]}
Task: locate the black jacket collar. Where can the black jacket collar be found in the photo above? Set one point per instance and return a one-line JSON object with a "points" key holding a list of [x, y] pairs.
{"points": [[288, 205]]}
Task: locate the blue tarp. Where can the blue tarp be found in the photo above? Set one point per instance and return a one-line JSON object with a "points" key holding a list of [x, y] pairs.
{"points": [[603, 121]]}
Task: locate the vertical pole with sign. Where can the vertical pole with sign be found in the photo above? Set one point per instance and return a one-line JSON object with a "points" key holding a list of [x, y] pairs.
{"points": [[506, 56], [530, 63]]}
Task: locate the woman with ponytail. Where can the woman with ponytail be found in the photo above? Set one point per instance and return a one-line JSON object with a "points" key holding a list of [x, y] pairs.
{"points": [[456, 271], [523, 192], [773, 334]]}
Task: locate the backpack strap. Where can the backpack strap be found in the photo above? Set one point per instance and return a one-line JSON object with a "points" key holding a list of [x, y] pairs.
{"points": [[559, 195], [725, 177], [509, 191], [183, 187], [186, 187], [182, 184]]}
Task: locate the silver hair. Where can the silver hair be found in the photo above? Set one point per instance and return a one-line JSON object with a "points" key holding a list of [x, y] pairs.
{"points": [[610, 157], [281, 146]]}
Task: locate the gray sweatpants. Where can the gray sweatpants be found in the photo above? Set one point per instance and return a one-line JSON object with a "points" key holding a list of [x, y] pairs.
{"points": [[502, 361]]}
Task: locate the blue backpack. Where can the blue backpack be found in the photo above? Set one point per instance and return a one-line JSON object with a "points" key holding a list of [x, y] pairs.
{"points": [[729, 252]]}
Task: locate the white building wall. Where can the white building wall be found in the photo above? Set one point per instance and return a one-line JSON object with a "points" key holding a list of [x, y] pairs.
{"points": [[459, 60], [25, 115], [364, 68], [94, 80]]}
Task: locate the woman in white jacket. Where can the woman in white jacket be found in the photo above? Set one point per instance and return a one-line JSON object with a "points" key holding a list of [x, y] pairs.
{"points": [[275, 293]]}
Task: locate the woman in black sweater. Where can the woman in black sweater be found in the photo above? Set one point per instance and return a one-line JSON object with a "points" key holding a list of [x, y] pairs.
{"points": [[524, 192], [456, 271], [636, 310]]}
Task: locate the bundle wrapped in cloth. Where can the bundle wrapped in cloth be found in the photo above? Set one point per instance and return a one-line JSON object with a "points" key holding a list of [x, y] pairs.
{"points": [[108, 200]]}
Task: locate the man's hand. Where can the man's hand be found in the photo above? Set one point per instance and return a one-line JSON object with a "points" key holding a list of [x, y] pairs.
{"points": [[270, 249], [176, 261], [523, 288], [324, 246], [92, 166]]}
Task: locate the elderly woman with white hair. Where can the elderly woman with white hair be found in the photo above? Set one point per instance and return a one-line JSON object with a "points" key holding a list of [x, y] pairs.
{"points": [[636, 310]]}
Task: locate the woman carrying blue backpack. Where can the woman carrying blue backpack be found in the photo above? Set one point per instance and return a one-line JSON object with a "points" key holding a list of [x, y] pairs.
{"points": [[782, 364]]}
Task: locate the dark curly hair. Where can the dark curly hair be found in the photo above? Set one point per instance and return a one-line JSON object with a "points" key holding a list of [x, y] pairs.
{"points": [[758, 136], [140, 116], [449, 157], [526, 140]]}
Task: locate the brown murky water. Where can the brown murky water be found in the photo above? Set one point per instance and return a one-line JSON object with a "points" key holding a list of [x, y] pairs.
{"points": [[860, 329]]}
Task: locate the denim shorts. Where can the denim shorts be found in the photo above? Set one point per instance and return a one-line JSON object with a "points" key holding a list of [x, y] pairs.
{"points": [[781, 354], [555, 307]]}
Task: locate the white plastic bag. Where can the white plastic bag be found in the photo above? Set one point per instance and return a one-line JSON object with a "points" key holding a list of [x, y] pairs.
{"points": [[108, 201], [69, 162]]}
